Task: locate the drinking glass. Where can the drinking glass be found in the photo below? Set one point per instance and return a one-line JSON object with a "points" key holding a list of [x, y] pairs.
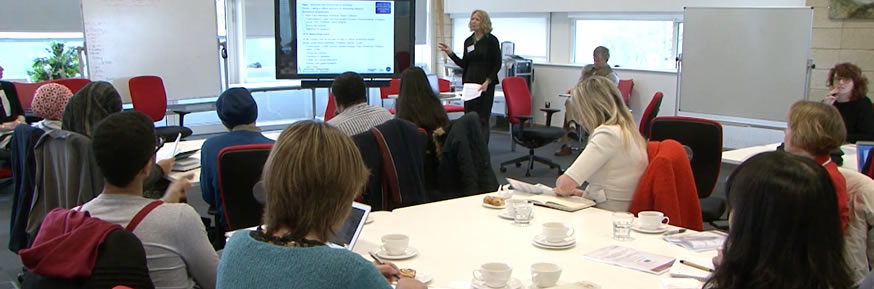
{"points": [[522, 212], [622, 226]]}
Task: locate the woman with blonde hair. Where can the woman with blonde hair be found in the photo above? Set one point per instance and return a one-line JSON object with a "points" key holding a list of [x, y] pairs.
{"points": [[615, 157], [311, 177], [481, 62], [814, 131]]}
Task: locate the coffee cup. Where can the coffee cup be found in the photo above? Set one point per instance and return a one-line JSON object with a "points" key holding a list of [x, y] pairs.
{"points": [[545, 274], [395, 244], [511, 204], [495, 275], [652, 220], [555, 232]]}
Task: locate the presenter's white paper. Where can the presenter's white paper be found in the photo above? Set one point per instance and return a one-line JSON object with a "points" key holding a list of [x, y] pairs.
{"points": [[471, 91]]}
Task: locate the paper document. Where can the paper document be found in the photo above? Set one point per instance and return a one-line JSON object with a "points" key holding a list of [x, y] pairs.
{"points": [[543, 195], [164, 154], [529, 188], [698, 241], [632, 259], [471, 91]]}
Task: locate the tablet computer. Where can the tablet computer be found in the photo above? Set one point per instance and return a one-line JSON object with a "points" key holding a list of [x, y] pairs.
{"points": [[348, 234]]}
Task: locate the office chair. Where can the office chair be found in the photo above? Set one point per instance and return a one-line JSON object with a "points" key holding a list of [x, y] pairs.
{"points": [[704, 137], [652, 110], [444, 85], [148, 96], [625, 86], [518, 112], [331, 108]]}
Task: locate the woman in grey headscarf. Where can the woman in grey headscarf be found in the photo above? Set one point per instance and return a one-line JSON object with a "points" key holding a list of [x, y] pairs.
{"points": [[90, 105]]}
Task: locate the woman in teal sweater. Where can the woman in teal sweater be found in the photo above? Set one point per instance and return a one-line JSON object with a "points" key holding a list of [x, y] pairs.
{"points": [[305, 204]]}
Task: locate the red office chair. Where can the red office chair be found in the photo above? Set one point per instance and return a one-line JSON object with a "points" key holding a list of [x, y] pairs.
{"points": [[74, 84], [239, 169], [26, 92], [667, 185], [393, 88], [625, 87], [148, 96], [330, 108], [518, 112], [704, 137], [652, 110], [444, 85]]}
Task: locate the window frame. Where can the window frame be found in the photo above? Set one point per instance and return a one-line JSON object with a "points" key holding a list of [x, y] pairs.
{"points": [[464, 17], [674, 17]]}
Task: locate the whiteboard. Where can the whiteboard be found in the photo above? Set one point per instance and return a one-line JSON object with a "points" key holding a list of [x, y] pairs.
{"points": [[174, 39], [745, 65]]}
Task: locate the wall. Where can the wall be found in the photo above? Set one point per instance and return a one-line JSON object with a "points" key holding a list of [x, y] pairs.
{"points": [[837, 41], [465, 6], [40, 16]]}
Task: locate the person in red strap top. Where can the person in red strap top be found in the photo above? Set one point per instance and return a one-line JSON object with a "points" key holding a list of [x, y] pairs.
{"points": [[814, 130]]}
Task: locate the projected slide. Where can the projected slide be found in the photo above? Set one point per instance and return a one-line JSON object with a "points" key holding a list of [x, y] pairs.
{"points": [[339, 36]]}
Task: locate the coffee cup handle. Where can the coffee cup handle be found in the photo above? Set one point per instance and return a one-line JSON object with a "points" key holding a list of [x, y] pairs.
{"points": [[477, 277], [570, 233], [666, 220]]}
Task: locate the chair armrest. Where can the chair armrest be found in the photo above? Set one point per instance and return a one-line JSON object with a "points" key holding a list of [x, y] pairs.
{"points": [[523, 119], [181, 116], [549, 112]]}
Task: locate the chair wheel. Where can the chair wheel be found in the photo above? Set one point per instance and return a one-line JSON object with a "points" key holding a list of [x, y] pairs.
{"points": [[503, 169], [527, 174], [518, 165]]}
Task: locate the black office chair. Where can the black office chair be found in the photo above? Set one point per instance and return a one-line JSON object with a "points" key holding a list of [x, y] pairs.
{"points": [[239, 169], [518, 112], [704, 137]]}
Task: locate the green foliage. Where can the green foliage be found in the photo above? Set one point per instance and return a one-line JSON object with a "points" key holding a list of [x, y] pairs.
{"points": [[61, 63]]}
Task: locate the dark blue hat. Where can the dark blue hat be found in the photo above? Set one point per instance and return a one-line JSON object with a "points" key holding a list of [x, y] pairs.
{"points": [[236, 106]]}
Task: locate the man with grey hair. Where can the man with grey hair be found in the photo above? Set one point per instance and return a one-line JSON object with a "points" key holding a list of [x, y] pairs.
{"points": [[600, 68]]}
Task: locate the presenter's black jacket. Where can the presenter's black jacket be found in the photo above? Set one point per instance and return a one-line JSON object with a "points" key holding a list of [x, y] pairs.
{"points": [[482, 61]]}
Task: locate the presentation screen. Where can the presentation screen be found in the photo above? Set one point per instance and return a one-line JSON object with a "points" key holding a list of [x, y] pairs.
{"points": [[324, 38]]}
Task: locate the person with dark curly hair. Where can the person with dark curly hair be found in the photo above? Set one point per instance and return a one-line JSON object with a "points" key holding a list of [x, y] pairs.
{"points": [[848, 89]]}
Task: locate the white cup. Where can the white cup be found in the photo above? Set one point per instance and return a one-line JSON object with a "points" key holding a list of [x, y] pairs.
{"points": [[510, 204], [652, 219], [395, 244], [545, 274], [495, 275], [556, 232]]}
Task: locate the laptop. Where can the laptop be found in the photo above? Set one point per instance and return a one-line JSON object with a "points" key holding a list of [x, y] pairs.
{"points": [[435, 83], [351, 229], [864, 156]]}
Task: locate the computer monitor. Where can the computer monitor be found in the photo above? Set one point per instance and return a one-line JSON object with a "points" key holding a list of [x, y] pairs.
{"points": [[435, 83], [348, 234], [863, 157]]}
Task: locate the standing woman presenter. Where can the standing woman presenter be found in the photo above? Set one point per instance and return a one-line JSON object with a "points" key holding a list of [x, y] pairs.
{"points": [[481, 62]]}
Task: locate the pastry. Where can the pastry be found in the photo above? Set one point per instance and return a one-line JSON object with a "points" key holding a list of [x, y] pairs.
{"points": [[408, 273], [494, 201]]}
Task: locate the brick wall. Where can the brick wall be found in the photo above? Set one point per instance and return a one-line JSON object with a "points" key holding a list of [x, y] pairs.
{"points": [[837, 41]]}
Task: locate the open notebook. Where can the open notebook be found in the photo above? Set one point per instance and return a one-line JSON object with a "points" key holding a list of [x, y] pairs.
{"points": [[543, 195]]}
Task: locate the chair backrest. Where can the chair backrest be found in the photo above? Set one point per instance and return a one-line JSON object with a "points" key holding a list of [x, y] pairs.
{"points": [[625, 87], [74, 84], [668, 185], [148, 96], [444, 84], [330, 108], [518, 97], [652, 110], [239, 169], [26, 92], [394, 87], [704, 137]]}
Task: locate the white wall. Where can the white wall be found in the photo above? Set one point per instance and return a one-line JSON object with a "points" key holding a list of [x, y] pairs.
{"points": [[501, 6], [40, 16]]}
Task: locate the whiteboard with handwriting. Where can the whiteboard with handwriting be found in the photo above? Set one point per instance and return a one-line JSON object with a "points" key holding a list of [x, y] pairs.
{"points": [[173, 39]]}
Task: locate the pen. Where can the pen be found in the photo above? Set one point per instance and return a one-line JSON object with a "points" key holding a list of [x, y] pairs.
{"points": [[696, 266], [680, 231], [380, 262]]}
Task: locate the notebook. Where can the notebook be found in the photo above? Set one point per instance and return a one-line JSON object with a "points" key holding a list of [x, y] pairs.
{"points": [[543, 195], [186, 164], [348, 234]]}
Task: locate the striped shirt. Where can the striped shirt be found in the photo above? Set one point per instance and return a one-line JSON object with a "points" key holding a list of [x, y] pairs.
{"points": [[360, 118]]}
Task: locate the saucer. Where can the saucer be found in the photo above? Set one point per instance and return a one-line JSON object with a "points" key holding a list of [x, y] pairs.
{"points": [[507, 216], [409, 253], [541, 240], [551, 247], [512, 284], [659, 230], [490, 206], [368, 220], [424, 277]]}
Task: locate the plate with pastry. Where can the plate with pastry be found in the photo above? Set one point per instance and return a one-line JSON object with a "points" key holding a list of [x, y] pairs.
{"points": [[411, 273], [493, 202]]}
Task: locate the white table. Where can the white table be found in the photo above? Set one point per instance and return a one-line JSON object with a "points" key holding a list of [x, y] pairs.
{"points": [[443, 96], [738, 156], [455, 236]]}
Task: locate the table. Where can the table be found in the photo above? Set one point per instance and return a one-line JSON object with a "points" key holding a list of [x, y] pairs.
{"points": [[455, 236], [443, 96], [738, 156]]}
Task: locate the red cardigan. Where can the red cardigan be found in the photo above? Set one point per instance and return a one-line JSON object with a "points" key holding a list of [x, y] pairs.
{"points": [[840, 188], [668, 186]]}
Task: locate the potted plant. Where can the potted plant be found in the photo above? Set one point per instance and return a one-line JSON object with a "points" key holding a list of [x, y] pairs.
{"points": [[61, 63]]}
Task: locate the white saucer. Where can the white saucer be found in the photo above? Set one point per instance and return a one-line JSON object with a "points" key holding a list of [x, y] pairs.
{"points": [[424, 277], [659, 230], [551, 247], [507, 216], [512, 284], [368, 220], [490, 206], [540, 239], [409, 253]]}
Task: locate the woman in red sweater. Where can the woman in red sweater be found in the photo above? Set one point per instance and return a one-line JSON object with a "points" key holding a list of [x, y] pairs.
{"points": [[814, 130]]}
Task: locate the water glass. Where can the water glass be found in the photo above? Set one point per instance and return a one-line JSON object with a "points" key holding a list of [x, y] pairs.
{"points": [[622, 226], [522, 212]]}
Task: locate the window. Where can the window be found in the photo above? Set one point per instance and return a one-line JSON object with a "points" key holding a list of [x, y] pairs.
{"points": [[528, 34], [19, 49], [643, 44]]}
